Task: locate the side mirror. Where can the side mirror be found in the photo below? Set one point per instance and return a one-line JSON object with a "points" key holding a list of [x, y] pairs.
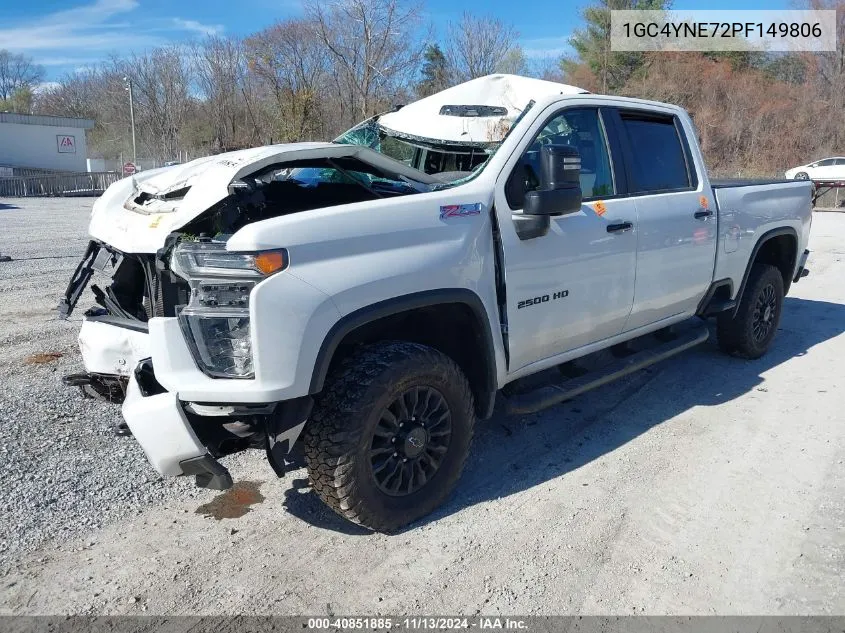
{"points": [[559, 192], [560, 183]]}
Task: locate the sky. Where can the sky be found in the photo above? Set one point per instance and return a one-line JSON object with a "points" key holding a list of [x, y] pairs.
{"points": [[64, 35]]}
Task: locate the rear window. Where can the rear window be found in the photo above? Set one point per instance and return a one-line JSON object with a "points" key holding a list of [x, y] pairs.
{"points": [[659, 161]]}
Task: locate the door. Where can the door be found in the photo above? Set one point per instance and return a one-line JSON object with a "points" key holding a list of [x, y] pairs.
{"points": [[676, 218], [575, 284], [823, 170], [830, 169]]}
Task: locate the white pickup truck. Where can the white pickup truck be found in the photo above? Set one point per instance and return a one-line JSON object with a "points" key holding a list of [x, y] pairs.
{"points": [[508, 242]]}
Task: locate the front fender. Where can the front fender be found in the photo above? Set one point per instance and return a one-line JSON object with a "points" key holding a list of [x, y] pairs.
{"points": [[289, 319]]}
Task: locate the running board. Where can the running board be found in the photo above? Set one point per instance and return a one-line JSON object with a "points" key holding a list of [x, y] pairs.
{"points": [[550, 395]]}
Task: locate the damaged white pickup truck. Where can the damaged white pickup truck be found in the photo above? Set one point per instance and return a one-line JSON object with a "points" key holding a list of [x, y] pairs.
{"points": [[508, 240]]}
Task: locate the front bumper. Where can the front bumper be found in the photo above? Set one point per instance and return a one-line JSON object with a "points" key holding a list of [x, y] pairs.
{"points": [[177, 440], [162, 429]]}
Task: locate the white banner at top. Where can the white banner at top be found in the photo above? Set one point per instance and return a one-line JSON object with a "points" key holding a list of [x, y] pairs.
{"points": [[723, 30]]}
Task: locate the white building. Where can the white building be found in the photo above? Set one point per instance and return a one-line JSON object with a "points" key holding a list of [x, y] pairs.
{"points": [[44, 142]]}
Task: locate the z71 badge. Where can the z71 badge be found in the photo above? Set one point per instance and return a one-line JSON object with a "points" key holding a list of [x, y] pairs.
{"points": [[459, 210]]}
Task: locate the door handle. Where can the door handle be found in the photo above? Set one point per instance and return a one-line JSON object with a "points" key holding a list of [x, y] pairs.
{"points": [[703, 214], [619, 227]]}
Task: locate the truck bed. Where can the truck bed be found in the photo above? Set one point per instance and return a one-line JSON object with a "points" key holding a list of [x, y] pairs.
{"points": [[747, 209], [722, 183]]}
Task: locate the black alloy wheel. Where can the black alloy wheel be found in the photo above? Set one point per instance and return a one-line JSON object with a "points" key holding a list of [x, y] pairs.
{"points": [[765, 312], [410, 440]]}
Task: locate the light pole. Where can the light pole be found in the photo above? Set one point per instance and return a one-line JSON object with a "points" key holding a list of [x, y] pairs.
{"points": [[128, 82]]}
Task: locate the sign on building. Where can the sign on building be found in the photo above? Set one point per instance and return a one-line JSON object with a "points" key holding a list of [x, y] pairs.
{"points": [[66, 144]]}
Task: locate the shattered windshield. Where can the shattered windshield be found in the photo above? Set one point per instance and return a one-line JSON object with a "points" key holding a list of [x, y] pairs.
{"points": [[452, 163]]}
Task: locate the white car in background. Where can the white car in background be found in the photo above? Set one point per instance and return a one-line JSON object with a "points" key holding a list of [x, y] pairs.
{"points": [[825, 169]]}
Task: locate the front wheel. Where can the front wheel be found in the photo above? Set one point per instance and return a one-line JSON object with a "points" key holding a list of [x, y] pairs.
{"points": [[749, 332], [802, 175], [389, 434]]}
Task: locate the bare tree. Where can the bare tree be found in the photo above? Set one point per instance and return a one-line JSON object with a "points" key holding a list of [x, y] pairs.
{"points": [[482, 45], [375, 47], [161, 80], [17, 72], [826, 74], [219, 67], [291, 65]]}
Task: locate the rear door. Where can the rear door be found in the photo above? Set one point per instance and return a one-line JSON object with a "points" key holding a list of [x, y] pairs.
{"points": [[676, 218], [575, 284]]}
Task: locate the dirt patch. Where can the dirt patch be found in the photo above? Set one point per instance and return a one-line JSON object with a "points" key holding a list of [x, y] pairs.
{"points": [[234, 503], [42, 358]]}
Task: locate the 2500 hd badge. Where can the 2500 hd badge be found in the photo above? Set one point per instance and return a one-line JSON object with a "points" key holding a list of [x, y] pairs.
{"points": [[545, 298]]}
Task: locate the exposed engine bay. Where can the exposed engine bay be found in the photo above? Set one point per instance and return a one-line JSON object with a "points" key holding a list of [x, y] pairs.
{"points": [[142, 286]]}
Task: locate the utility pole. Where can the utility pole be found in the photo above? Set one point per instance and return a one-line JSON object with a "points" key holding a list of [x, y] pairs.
{"points": [[128, 83]]}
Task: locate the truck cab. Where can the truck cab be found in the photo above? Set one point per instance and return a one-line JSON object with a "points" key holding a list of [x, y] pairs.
{"points": [[373, 297]]}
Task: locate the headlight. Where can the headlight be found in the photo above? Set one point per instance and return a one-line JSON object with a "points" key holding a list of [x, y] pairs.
{"points": [[216, 320], [194, 260]]}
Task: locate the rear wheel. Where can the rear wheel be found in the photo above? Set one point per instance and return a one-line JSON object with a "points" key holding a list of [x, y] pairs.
{"points": [[389, 434], [750, 331]]}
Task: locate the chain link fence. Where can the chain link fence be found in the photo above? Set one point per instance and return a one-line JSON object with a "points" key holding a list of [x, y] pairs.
{"points": [[81, 184]]}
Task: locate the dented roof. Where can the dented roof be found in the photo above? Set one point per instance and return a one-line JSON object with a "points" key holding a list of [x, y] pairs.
{"points": [[504, 96]]}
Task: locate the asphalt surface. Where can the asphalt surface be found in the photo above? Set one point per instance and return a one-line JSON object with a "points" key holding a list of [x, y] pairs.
{"points": [[705, 485]]}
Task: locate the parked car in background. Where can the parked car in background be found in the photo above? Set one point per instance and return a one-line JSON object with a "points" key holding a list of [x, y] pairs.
{"points": [[823, 170]]}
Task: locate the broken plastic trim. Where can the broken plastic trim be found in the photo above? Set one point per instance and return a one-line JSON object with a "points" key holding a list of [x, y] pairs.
{"points": [[177, 194], [100, 386], [81, 276], [209, 472]]}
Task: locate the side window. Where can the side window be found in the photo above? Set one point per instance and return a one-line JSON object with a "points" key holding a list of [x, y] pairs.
{"points": [[840, 161], [659, 160], [827, 162], [580, 128]]}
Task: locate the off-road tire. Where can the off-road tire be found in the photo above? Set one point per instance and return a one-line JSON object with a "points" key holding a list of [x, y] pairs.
{"points": [[338, 437], [736, 334]]}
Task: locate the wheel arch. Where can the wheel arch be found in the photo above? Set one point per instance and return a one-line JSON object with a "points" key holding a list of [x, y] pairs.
{"points": [[421, 317], [778, 247]]}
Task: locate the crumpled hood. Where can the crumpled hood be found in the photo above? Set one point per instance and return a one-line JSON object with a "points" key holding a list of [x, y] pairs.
{"points": [[136, 214]]}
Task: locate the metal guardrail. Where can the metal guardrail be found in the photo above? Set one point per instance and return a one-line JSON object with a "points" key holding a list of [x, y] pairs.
{"points": [[93, 183]]}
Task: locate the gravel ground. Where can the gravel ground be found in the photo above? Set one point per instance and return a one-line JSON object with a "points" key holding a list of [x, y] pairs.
{"points": [[704, 485]]}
